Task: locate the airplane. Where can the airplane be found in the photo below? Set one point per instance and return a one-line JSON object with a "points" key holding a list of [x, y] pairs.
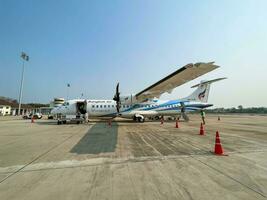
{"points": [[146, 103]]}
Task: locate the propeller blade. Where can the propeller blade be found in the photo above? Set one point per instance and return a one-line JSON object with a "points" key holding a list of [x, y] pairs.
{"points": [[117, 88], [117, 98], [118, 107]]}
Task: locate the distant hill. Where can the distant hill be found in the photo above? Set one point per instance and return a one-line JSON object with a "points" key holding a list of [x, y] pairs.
{"points": [[14, 103]]}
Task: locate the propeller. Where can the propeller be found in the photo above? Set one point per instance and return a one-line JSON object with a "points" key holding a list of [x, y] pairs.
{"points": [[183, 114], [117, 98]]}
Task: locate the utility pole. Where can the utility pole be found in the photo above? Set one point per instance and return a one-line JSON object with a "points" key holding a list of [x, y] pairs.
{"points": [[24, 57]]}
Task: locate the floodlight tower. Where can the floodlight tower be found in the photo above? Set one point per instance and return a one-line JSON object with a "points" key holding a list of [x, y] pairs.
{"points": [[24, 57], [68, 86]]}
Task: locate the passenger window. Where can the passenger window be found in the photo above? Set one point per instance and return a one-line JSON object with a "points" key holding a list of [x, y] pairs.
{"points": [[108, 106], [100, 106], [93, 106], [104, 106], [97, 106]]}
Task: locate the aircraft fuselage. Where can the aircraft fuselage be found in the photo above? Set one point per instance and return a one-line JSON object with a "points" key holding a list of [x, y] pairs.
{"points": [[107, 108]]}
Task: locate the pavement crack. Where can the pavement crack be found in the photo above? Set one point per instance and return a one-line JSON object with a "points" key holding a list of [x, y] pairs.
{"points": [[35, 159], [230, 177]]}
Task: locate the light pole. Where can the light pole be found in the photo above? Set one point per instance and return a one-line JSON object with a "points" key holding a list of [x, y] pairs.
{"points": [[68, 86], [24, 57]]}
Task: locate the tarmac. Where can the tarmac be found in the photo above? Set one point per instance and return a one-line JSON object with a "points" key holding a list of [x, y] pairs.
{"points": [[132, 160]]}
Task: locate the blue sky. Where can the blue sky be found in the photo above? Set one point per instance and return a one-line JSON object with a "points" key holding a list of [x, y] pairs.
{"points": [[94, 44]]}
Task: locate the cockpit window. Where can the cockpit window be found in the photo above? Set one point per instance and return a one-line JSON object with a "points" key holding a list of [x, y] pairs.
{"points": [[66, 103]]}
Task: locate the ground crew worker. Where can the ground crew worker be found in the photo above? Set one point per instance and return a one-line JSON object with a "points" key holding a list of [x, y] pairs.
{"points": [[202, 113], [86, 117]]}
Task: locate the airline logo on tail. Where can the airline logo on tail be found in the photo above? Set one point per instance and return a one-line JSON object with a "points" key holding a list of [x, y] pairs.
{"points": [[202, 95]]}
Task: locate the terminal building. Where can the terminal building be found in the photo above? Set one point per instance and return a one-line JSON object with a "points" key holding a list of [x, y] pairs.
{"points": [[5, 110], [57, 102], [10, 106]]}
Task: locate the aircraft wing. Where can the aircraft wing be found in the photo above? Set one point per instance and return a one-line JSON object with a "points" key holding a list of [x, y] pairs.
{"points": [[177, 78]]}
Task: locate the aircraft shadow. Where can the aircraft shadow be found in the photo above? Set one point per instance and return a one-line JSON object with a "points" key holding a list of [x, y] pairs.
{"points": [[43, 122], [100, 138]]}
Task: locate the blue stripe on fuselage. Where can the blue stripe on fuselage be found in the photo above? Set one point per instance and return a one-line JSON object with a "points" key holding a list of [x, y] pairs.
{"points": [[169, 105]]}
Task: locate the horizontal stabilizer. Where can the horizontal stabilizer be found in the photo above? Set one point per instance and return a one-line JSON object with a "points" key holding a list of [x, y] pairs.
{"points": [[208, 82]]}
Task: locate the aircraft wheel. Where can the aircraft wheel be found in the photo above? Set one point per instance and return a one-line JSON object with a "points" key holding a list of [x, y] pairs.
{"points": [[59, 122], [64, 122], [140, 119]]}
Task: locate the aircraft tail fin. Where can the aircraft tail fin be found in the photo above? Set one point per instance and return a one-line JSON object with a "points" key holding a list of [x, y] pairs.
{"points": [[201, 94]]}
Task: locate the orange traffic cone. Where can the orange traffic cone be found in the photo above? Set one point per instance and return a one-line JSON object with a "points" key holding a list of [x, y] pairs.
{"points": [[177, 125], [201, 131], [32, 120], [161, 120], [218, 150]]}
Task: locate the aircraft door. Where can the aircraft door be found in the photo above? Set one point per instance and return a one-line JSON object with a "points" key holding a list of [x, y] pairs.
{"points": [[82, 107]]}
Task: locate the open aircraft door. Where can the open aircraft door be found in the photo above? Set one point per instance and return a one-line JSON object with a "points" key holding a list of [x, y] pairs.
{"points": [[81, 107]]}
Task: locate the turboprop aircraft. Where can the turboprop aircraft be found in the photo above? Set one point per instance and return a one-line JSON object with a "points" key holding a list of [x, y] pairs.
{"points": [[145, 103]]}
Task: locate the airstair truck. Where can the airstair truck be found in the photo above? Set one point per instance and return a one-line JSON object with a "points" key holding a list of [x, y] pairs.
{"points": [[65, 112]]}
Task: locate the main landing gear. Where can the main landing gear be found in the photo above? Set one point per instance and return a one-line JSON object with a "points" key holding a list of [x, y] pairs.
{"points": [[140, 119]]}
